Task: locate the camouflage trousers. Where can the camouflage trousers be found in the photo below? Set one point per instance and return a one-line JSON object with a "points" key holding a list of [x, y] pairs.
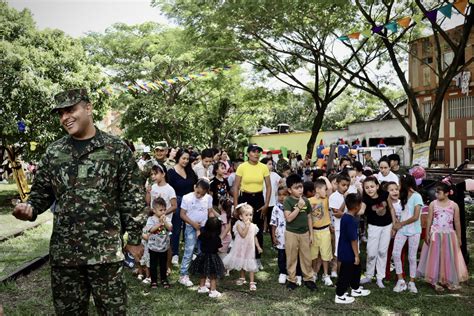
{"points": [[72, 287]]}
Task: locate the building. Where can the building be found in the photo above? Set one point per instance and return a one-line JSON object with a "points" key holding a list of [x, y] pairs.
{"points": [[456, 134]]}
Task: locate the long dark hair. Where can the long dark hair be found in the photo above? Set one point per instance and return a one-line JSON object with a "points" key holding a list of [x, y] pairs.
{"points": [[188, 169], [212, 228], [407, 182], [226, 205]]}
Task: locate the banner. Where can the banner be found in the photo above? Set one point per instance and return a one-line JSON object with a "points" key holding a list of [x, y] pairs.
{"points": [[421, 154]]}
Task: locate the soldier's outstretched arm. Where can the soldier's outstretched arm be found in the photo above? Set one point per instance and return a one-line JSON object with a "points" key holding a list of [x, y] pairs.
{"points": [[41, 194], [132, 197]]}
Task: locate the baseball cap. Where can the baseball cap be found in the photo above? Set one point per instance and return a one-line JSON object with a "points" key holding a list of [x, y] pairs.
{"points": [[254, 147], [161, 145], [69, 98]]}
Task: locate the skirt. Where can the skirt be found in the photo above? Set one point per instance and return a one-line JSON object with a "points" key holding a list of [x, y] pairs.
{"points": [[442, 261], [207, 264]]}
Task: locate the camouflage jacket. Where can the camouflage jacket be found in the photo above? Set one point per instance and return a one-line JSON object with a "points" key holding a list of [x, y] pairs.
{"points": [[98, 196]]}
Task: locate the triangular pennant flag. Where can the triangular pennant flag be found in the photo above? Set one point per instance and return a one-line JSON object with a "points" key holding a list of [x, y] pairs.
{"points": [[460, 5], [377, 29], [404, 22], [343, 38], [431, 15], [354, 35], [446, 10], [366, 33], [392, 26]]}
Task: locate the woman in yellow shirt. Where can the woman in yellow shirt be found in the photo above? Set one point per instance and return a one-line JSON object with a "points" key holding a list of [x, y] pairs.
{"points": [[248, 188]]}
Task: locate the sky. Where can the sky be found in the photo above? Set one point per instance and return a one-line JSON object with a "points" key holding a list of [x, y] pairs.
{"points": [[77, 17]]}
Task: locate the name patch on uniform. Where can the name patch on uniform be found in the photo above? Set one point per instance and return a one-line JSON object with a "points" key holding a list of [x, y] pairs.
{"points": [[82, 171], [100, 155]]}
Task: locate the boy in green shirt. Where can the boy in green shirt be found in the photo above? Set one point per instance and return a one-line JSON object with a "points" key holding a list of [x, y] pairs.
{"points": [[299, 233]]}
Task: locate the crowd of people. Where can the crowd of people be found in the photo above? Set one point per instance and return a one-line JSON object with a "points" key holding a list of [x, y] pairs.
{"points": [[315, 218], [92, 183]]}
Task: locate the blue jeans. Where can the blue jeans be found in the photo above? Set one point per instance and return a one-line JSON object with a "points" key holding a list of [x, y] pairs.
{"points": [[190, 241], [177, 224]]}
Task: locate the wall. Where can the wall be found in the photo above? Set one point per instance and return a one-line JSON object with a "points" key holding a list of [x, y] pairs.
{"points": [[296, 141]]}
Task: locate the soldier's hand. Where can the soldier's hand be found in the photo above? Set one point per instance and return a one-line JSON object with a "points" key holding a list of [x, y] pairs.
{"points": [[135, 250], [23, 211]]}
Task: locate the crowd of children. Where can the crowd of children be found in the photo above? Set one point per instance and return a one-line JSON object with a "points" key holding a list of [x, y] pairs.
{"points": [[313, 224]]}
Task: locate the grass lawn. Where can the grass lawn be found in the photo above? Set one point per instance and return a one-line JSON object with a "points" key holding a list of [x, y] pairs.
{"points": [[32, 295], [32, 244]]}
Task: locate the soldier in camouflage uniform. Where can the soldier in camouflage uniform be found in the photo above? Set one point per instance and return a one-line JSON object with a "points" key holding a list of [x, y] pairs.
{"points": [[98, 190]]}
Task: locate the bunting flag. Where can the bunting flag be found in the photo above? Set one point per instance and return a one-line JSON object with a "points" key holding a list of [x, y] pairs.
{"points": [[148, 86], [392, 26], [446, 10], [355, 35], [404, 22], [461, 5], [377, 29], [432, 15]]}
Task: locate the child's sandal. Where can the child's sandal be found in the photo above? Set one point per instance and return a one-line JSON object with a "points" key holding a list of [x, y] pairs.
{"points": [[240, 281], [165, 284], [154, 286], [253, 286], [453, 287]]}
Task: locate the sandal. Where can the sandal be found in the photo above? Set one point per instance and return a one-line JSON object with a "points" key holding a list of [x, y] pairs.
{"points": [[168, 272], [438, 288], [154, 286], [240, 281], [453, 287], [165, 284], [253, 286]]}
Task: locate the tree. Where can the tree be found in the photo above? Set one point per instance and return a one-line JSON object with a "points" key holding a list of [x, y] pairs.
{"points": [[279, 37], [394, 48], [202, 112], [34, 66]]}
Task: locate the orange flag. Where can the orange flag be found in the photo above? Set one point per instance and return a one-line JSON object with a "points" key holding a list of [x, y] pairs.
{"points": [[404, 22], [461, 6], [355, 35]]}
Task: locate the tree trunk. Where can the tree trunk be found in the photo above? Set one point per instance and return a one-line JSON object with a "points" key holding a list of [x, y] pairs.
{"points": [[434, 135], [317, 123]]}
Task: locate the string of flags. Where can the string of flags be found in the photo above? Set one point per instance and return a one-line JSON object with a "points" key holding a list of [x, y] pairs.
{"points": [[148, 86], [404, 22]]}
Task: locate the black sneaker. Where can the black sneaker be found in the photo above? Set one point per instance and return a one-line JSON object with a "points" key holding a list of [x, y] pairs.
{"points": [[291, 286], [310, 285]]}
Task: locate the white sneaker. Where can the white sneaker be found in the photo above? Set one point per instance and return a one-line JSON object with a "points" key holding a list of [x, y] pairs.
{"points": [[207, 283], [380, 283], [184, 280], [315, 277], [140, 277], [412, 288], [344, 299], [334, 274], [327, 280], [147, 281], [282, 278], [175, 260], [215, 294], [359, 292], [400, 286], [298, 280], [202, 290], [365, 280], [194, 257]]}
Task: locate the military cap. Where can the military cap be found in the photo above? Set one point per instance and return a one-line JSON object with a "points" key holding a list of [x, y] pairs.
{"points": [[161, 145], [69, 98]]}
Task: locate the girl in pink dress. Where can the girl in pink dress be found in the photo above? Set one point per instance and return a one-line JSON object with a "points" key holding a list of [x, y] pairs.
{"points": [[242, 254], [441, 260]]}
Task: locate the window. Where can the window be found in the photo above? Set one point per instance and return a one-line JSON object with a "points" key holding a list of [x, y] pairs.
{"points": [[447, 59], [469, 153], [426, 108], [427, 60], [438, 154], [426, 76], [426, 47], [461, 107]]}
